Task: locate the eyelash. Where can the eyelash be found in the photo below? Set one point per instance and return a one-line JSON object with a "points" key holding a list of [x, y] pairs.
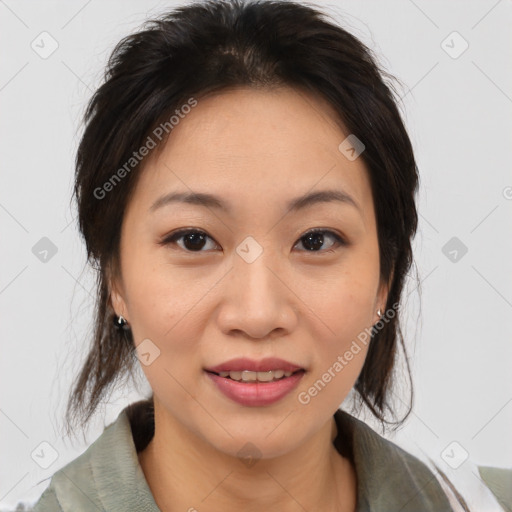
{"points": [[173, 237]]}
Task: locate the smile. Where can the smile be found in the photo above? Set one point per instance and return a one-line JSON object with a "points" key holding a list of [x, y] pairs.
{"points": [[256, 389]]}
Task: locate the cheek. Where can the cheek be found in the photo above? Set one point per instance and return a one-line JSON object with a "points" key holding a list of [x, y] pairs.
{"points": [[168, 306], [342, 313], [165, 308], [344, 300], [161, 295]]}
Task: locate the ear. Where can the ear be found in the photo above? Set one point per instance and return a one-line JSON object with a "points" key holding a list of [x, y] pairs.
{"points": [[117, 294], [382, 296]]}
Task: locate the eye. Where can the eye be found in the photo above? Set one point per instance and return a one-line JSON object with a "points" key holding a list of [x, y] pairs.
{"points": [[193, 239], [315, 239]]}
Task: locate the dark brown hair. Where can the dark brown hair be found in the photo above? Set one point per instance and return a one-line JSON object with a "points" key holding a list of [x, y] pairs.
{"points": [[208, 47]]}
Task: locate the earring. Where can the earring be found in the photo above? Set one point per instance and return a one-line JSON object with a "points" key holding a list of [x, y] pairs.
{"points": [[379, 312], [120, 323]]}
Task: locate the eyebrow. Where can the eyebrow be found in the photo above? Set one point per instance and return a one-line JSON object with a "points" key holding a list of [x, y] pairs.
{"points": [[212, 201]]}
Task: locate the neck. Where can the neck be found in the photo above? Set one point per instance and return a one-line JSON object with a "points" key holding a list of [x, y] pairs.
{"points": [[184, 472]]}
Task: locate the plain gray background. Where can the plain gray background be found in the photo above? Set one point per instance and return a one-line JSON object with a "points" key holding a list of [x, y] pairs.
{"points": [[458, 107]]}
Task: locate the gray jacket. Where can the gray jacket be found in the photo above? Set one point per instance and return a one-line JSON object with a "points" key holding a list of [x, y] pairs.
{"points": [[108, 476]]}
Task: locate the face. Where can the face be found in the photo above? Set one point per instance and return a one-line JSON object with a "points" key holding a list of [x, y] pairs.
{"points": [[252, 280]]}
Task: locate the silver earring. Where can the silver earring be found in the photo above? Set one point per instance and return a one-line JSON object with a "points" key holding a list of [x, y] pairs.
{"points": [[120, 322], [379, 312]]}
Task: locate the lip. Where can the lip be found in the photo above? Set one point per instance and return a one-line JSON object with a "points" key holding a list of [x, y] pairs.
{"points": [[256, 394], [264, 365]]}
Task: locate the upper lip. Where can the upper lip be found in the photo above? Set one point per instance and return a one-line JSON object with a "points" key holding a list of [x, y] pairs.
{"points": [[263, 365]]}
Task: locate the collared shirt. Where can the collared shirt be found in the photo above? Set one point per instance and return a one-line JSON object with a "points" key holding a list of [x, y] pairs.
{"points": [[108, 477]]}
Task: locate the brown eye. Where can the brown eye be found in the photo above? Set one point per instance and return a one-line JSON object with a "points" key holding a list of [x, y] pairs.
{"points": [[193, 240], [314, 240]]}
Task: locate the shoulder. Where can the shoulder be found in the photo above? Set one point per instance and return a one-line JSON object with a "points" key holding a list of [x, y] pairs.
{"points": [[74, 485], [47, 502], [107, 476], [71, 486], [389, 478]]}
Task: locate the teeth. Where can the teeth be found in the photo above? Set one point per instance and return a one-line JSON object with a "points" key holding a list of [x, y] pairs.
{"points": [[248, 376]]}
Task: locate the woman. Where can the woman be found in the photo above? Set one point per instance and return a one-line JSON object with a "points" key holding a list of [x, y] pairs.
{"points": [[245, 188]]}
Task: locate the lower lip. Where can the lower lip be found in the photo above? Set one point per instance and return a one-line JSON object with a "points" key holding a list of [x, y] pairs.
{"points": [[256, 394]]}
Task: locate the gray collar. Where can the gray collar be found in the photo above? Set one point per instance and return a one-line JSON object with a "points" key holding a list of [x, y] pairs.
{"points": [[108, 476], [388, 478]]}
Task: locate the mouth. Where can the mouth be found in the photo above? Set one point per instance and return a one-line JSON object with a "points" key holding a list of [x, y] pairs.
{"points": [[247, 376], [255, 389]]}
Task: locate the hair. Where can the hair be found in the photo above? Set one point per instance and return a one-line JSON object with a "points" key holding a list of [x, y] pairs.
{"points": [[209, 47]]}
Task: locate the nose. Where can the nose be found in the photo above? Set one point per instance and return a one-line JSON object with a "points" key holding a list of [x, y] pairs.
{"points": [[257, 301]]}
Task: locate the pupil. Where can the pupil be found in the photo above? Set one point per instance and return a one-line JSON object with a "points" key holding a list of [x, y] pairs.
{"points": [[195, 240], [317, 240], [312, 241]]}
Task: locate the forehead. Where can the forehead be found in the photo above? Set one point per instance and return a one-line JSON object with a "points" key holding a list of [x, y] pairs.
{"points": [[244, 142], [244, 123]]}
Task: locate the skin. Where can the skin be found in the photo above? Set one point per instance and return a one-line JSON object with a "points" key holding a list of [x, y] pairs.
{"points": [[256, 149]]}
